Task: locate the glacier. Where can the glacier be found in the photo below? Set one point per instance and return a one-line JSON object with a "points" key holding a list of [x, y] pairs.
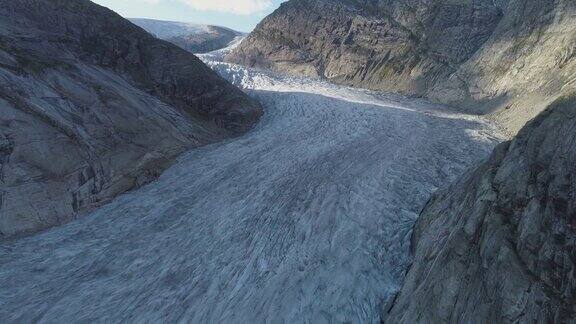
{"points": [[305, 219]]}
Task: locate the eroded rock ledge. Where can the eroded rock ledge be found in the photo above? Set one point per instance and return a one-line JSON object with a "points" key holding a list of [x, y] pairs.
{"points": [[506, 58]]}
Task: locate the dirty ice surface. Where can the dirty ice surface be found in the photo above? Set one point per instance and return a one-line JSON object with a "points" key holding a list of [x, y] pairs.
{"points": [[305, 219]]}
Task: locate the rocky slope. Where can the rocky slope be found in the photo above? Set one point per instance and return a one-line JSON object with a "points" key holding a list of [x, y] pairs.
{"points": [[92, 106], [510, 58], [500, 245], [194, 38]]}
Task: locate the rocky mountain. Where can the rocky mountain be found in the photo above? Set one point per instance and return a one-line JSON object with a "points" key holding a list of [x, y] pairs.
{"points": [[500, 244], [92, 106], [194, 38], [507, 58]]}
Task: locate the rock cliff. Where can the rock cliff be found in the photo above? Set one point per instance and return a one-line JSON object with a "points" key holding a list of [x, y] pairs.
{"points": [[92, 106], [194, 38], [500, 244], [507, 58]]}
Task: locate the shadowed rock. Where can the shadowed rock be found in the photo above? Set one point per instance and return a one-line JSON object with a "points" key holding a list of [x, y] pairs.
{"points": [[510, 58], [500, 244], [92, 106]]}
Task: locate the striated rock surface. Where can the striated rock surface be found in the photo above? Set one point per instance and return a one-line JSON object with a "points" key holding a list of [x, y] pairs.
{"points": [[92, 106], [489, 56], [500, 244], [194, 38]]}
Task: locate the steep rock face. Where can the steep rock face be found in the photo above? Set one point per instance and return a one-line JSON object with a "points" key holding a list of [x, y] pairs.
{"points": [[528, 62], [481, 55], [91, 106], [500, 245], [378, 44], [194, 38]]}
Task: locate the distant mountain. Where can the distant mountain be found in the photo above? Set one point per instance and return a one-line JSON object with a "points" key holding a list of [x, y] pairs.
{"points": [[510, 58], [92, 106], [194, 38]]}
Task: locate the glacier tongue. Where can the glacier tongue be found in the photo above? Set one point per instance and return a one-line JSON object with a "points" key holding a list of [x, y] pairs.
{"points": [[306, 218]]}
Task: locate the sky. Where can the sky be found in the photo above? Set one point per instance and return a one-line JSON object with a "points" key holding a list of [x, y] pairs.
{"points": [[241, 15]]}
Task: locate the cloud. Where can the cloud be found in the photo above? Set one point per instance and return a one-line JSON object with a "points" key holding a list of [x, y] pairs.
{"points": [[239, 7]]}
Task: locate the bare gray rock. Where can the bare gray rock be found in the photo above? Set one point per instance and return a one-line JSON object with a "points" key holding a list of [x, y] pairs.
{"points": [[92, 106], [508, 58], [195, 38], [500, 244]]}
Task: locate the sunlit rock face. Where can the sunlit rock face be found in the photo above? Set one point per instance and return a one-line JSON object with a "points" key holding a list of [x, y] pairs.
{"points": [[92, 106], [509, 58]]}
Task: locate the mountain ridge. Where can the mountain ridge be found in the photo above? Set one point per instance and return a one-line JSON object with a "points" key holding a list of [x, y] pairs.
{"points": [[499, 244], [195, 38]]}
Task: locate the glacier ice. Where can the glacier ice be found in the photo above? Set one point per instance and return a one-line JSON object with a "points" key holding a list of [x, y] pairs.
{"points": [[306, 218]]}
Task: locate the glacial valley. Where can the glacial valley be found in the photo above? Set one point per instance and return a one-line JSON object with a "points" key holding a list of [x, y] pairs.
{"points": [[306, 218]]}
